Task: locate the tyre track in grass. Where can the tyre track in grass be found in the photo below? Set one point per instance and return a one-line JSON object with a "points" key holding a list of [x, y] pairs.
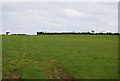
{"points": [[59, 74], [16, 68], [55, 71]]}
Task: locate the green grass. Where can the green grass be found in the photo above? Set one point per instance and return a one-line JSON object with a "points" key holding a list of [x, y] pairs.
{"points": [[81, 56]]}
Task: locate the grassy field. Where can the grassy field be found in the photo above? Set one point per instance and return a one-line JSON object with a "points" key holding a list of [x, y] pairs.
{"points": [[60, 56]]}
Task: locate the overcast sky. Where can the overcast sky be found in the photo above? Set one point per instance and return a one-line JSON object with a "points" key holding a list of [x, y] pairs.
{"points": [[30, 17]]}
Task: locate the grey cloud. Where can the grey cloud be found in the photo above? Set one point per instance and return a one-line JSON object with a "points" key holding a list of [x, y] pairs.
{"points": [[31, 17]]}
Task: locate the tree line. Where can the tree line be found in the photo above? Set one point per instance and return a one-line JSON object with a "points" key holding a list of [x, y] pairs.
{"points": [[69, 33], [76, 33]]}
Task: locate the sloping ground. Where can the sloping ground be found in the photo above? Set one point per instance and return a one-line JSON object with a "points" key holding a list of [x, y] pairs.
{"points": [[60, 56]]}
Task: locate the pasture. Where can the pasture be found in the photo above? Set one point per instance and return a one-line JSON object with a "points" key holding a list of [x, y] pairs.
{"points": [[60, 56]]}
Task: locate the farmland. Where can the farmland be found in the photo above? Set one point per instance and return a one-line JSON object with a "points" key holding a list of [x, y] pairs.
{"points": [[60, 56]]}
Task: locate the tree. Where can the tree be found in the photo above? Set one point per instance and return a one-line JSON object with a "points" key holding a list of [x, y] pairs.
{"points": [[93, 31], [7, 33]]}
